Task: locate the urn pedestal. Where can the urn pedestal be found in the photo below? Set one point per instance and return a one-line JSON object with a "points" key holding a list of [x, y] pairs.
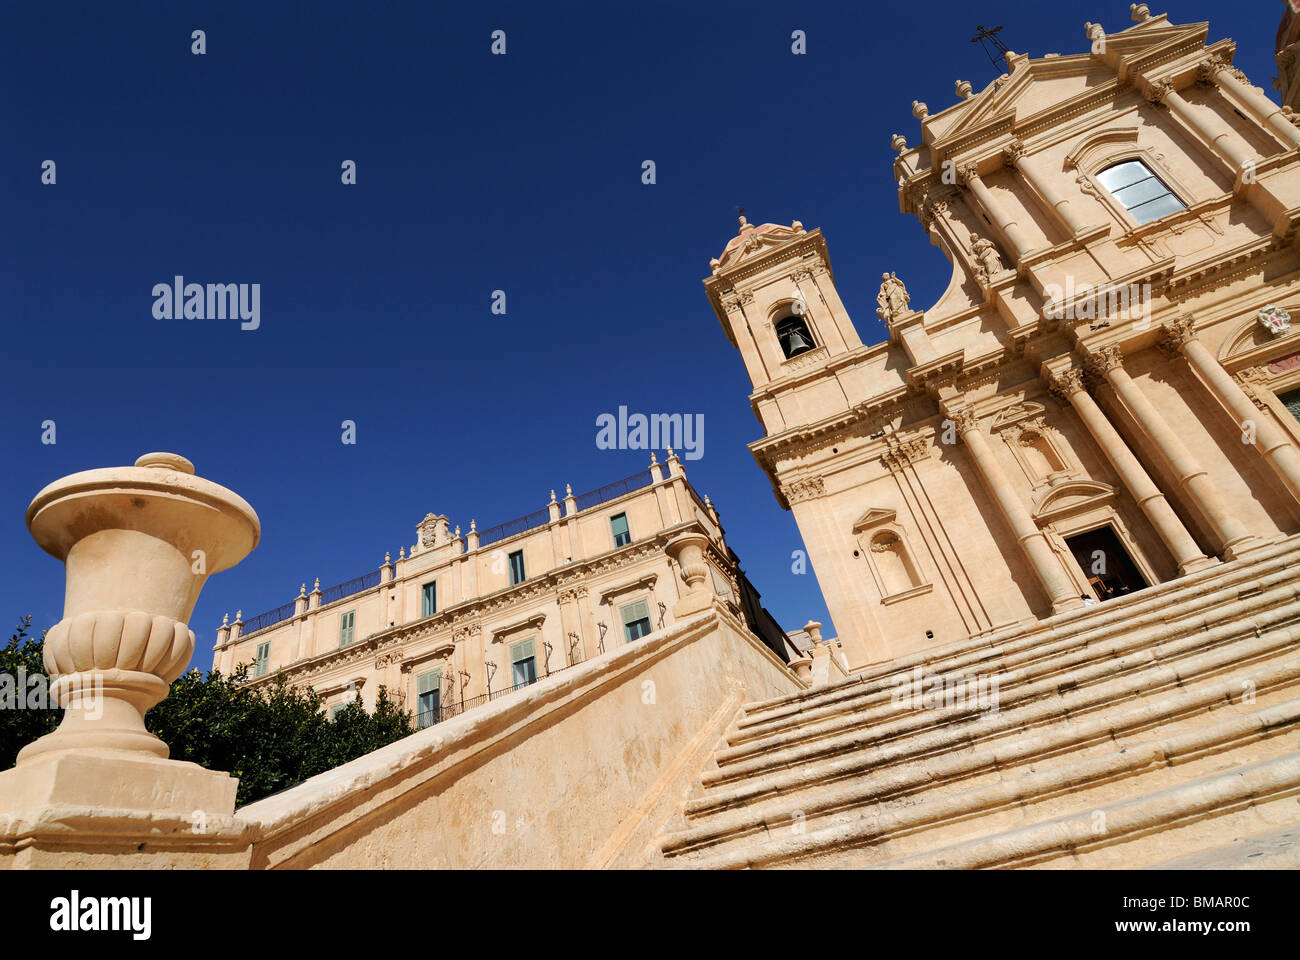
{"points": [[138, 543]]}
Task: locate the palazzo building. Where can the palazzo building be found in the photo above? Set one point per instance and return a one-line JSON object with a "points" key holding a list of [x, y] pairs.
{"points": [[461, 620], [1104, 397]]}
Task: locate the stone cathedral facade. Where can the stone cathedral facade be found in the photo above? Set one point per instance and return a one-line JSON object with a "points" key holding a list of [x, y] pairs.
{"points": [[1104, 397]]}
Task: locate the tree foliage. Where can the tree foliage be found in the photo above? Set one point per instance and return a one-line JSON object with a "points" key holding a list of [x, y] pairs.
{"points": [[271, 736]]}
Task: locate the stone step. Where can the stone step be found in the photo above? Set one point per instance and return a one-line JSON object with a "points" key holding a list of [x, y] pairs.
{"points": [[1152, 605], [1166, 606], [834, 755], [1213, 751], [1277, 849], [1069, 666], [930, 765]]}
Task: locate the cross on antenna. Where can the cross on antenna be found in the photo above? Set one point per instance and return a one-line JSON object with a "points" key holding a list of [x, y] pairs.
{"points": [[991, 43]]}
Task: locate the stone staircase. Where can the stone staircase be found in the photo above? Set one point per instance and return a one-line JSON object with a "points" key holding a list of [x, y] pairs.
{"points": [[1161, 728]]}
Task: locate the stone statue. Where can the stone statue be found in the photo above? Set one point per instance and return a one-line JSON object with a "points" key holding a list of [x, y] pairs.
{"points": [[893, 298], [988, 263]]}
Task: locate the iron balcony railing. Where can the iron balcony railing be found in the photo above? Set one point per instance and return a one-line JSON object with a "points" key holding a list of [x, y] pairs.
{"points": [[269, 619], [612, 491], [355, 585], [502, 531], [454, 708]]}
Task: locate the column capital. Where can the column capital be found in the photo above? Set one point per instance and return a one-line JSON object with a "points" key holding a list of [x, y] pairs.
{"points": [[968, 174], [1158, 91], [963, 417], [1065, 383], [1103, 360], [1013, 152], [1178, 333]]}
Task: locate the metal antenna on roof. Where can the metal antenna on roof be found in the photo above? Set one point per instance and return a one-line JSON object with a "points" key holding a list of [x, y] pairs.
{"points": [[992, 45]]}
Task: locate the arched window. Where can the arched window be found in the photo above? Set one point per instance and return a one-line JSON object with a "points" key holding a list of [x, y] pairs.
{"points": [[794, 337], [1139, 191]]}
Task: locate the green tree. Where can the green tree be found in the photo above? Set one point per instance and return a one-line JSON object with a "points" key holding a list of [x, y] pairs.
{"points": [[22, 720], [271, 737]]}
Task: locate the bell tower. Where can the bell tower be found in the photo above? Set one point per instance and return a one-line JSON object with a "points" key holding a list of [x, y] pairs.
{"points": [[773, 290]]}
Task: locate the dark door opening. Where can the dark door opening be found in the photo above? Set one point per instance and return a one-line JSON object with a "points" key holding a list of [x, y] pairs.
{"points": [[1110, 570]]}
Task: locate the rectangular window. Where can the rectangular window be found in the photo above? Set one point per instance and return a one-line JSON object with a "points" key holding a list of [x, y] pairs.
{"points": [[263, 661], [636, 620], [1291, 401], [337, 709], [516, 567], [523, 663], [428, 698], [429, 599], [347, 627], [618, 524]]}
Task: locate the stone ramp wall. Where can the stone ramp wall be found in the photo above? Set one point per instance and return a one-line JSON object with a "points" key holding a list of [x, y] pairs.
{"points": [[562, 774]]}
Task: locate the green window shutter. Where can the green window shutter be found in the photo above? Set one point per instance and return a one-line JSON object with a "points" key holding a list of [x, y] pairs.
{"points": [[429, 599], [428, 682], [636, 611], [618, 526], [521, 650], [347, 627]]}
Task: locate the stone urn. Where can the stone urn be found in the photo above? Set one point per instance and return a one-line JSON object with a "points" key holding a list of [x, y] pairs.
{"points": [[687, 549], [138, 543]]}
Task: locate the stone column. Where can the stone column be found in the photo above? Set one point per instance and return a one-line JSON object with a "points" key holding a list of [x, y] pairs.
{"points": [[1046, 186], [1012, 232], [1215, 70], [1269, 438], [1068, 385], [138, 543], [1042, 559], [1108, 362], [1214, 132]]}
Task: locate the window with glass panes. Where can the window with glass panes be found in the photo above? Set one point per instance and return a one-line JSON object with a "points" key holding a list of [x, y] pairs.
{"points": [[618, 526], [1292, 402], [347, 627], [516, 567], [428, 698], [429, 599], [1140, 191], [523, 663], [636, 620]]}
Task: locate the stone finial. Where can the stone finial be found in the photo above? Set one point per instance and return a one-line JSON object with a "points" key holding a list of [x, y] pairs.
{"points": [[1139, 12], [920, 110], [302, 590], [239, 616], [964, 89], [458, 531], [316, 586], [898, 143], [388, 557], [653, 460], [225, 619], [552, 496], [473, 525], [568, 490], [744, 225]]}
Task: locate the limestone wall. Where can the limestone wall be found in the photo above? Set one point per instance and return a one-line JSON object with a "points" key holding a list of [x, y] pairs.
{"points": [[561, 774]]}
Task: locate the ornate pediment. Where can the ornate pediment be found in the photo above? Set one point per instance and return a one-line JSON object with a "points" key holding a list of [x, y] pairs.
{"points": [[1071, 497], [875, 517], [754, 241]]}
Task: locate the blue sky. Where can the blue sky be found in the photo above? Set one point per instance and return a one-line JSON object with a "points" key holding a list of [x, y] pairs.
{"points": [[474, 173]]}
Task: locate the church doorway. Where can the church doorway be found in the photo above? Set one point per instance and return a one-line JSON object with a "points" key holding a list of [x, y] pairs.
{"points": [[1109, 569]]}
